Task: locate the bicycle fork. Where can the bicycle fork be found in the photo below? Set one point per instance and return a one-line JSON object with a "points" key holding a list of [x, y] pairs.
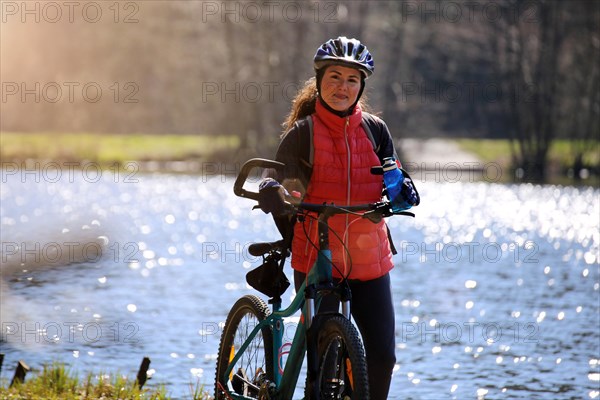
{"points": [[314, 321], [320, 283]]}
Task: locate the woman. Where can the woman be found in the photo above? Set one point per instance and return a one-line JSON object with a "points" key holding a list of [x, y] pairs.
{"points": [[341, 173]]}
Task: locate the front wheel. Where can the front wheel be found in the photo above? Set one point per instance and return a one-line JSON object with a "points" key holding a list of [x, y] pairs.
{"points": [[255, 367], [342, 372]]}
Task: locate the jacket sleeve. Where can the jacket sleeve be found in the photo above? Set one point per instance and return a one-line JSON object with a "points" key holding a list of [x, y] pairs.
{"points": [[292, 152], [386, 142], [289, 153]]}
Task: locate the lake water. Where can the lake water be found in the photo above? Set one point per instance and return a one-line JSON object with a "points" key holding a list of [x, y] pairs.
{"points": [[496, 287]]}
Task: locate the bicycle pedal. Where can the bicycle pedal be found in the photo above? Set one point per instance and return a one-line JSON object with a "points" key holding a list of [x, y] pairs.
{"points": [[242, 385], [239, 381]]}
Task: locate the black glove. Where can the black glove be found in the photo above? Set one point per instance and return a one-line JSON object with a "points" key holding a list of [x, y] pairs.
{"points": [[408, 196], [272, 197], [409, 191]]}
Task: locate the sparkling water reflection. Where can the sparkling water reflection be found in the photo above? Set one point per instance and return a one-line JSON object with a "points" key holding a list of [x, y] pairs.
{"points": [[496, 286]]}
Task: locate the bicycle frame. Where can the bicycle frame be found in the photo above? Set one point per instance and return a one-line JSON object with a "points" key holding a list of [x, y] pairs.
{"points": [[319, 275]]}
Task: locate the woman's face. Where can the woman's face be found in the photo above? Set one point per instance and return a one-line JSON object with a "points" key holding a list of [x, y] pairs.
{"points": [[340, 86]]}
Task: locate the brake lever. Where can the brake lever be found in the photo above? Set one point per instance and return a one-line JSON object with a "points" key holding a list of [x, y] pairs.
{"points": [[380, 210], [287, 208], [373, 217]]}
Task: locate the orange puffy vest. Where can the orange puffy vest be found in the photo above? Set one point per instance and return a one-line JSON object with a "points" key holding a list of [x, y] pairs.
{"points": [[343, 157]]}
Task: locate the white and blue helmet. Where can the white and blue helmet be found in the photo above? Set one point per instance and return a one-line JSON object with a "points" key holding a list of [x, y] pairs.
{"points": [[344, 51]]}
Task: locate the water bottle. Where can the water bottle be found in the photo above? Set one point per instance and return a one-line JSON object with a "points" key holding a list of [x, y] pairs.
{"points": [[393, 179]]}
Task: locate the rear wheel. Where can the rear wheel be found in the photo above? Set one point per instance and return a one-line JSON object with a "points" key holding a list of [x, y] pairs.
{"points": [[342, 366], [255, 368]]}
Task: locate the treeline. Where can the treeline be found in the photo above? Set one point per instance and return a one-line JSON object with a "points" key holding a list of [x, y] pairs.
{"points": [[526, 70]]}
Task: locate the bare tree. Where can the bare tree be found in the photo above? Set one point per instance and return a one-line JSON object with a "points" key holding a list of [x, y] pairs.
{"points": [[582, 94], [527, 51], [393, 36]]}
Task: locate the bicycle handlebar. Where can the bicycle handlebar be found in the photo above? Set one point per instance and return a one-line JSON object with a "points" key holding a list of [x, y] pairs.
{"points": [[372, 211], [238, 186]]}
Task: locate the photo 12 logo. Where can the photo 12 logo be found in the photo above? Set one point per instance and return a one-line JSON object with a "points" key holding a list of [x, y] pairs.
{"points": [[453, 12], [453, 172], [68, 252], [248, 92], [69, 92], [215, 329], [269, 11], [53, 332], [53, 12], [469, 332], [468, 252], [68, 171], [466, 92]]}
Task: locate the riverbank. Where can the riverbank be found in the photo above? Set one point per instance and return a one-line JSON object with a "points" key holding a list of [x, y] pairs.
{"points": [[451, 160], [57, 381], [109, 150], [439, 159]]}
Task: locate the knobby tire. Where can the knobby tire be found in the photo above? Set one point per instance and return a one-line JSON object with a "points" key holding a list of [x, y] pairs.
{"points": [[342, 364], [256, 364]]}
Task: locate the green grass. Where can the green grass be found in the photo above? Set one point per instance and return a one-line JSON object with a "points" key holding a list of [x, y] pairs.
{"points": [[561, 151], [487, 150], [111, 148], [58, 382]]}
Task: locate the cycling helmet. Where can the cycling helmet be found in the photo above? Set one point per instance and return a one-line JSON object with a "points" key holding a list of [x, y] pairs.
{"points": [[344, 51]]}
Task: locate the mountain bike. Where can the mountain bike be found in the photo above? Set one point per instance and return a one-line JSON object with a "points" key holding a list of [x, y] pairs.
{"points": [[251, 351]]}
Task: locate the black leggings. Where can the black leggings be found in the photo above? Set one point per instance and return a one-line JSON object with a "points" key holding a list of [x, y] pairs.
{"points": [[373, 312]]}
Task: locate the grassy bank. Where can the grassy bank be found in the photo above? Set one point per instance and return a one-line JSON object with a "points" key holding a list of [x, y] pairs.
{"points": [[57, 382], [561, 152], [559, 164], [108, 149]]}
